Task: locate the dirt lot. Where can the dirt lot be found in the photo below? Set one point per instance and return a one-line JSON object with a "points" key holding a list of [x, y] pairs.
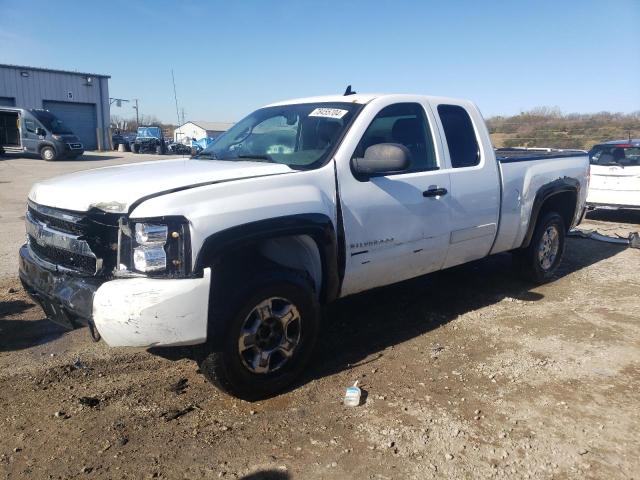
{"points": [[468, 373]]}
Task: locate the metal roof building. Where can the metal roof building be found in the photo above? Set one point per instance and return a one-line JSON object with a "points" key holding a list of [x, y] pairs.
{"points": [[80, 100], [199, 129]]}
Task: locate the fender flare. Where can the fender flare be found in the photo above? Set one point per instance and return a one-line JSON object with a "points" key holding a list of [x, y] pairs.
{"points": [[546, 191], [318, 226]]}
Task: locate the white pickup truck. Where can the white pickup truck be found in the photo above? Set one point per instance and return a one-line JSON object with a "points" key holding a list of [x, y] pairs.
{"points": [[300, 203]]}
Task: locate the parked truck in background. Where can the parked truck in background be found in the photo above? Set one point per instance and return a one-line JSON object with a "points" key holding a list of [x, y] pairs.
{"points": [[39, 132], [302, 202], [149, 140]]}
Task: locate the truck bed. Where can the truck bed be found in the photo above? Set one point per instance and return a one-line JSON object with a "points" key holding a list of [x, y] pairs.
{"points": [[523, 172]]}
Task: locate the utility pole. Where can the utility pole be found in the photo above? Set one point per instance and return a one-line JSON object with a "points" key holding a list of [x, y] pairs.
{"points": [[137, 112], [175, 95]]}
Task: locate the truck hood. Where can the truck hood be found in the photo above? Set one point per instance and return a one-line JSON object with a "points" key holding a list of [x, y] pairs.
{"points": [[115, 189]]}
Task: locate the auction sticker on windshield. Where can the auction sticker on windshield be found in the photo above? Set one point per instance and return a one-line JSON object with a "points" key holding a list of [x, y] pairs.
{"points": [[329, 112]]}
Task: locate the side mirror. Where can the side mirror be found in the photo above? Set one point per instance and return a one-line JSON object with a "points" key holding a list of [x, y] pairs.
{"points": [[41, 132], [382, 158]]}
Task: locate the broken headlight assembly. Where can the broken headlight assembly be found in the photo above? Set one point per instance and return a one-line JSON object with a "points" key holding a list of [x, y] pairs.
{"points": [[154, 247]]}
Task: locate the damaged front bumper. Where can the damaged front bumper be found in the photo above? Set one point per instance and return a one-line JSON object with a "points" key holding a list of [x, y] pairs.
{"points": [[145, 312], [135, 312], [66, 299]]}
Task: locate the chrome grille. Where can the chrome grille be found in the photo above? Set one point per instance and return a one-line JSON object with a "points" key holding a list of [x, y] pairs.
{"points": [[57, 238], [69, 223]]}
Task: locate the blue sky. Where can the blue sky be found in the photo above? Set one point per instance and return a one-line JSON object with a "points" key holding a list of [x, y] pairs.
{"points": [[232, 57]]}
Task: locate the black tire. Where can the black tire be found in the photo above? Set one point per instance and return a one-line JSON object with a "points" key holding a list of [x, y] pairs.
{"points": [[135, 148], [528, 261], [233, 308], [48, 153], [159, 150]]}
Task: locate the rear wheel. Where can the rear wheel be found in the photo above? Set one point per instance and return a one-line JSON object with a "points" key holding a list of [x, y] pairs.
{"points": [[48, 154], [267, 326], [159, 150], [539, 261], [135, 148]]}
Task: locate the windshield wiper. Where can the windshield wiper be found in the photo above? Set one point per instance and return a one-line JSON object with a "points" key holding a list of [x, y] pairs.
{"points": [[257, 157]]}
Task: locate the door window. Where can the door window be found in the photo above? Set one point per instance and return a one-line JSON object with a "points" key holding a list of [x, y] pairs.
{"points": [[406, 124], [30, 125], [461, 138]]}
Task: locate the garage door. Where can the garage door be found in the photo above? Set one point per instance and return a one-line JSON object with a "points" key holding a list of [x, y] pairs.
{"points": [[7, 102], [79, 117]]}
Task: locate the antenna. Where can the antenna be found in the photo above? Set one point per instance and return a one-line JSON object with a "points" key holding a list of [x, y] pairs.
{"points": [[348, 91]]}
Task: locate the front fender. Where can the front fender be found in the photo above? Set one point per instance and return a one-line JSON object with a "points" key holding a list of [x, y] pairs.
{"points": [[300, 202]]}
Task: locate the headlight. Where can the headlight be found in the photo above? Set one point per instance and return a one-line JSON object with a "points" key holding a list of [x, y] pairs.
{"points": [[150, 259], [147, 233], [56, 137], [155, 247]]}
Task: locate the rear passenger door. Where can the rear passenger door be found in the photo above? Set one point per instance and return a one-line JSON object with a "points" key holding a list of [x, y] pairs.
{"points": [[475, 182], [393, 229]]}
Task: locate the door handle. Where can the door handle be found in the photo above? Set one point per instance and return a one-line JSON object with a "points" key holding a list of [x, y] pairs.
{"points": [[434, 192]]}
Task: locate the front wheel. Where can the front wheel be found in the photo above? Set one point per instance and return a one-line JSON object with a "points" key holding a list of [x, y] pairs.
{"points": [[267, 329], [539, 261], [135, 148], [48, 154]]}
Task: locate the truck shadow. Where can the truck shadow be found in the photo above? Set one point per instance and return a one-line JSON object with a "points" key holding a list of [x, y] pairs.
{"points": [[359, 328], [19, 334], [267, 475]]}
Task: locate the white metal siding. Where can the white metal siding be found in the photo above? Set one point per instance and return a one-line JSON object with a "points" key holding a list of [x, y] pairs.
{"points": [[188, 131]]}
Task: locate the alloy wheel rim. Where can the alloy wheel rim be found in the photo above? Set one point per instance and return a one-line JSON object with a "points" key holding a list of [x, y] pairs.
{"points": [[270, 335], [548, 248], [48, 154]]}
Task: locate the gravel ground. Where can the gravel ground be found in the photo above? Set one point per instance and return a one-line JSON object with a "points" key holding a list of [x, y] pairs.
{"points": [[468, 373]]}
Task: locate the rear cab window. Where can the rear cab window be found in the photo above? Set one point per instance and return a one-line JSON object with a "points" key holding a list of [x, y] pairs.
{"points": [[623, 155], [464, 150]]}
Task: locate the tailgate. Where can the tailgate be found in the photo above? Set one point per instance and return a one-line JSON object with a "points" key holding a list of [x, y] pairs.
{"points": [[615, 178]]}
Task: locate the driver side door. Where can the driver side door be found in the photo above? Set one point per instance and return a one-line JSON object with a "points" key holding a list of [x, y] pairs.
{"points": [[395, 227]]}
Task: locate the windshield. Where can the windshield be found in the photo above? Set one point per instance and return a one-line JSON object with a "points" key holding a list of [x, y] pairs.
{"points": [[300, 135], [622, 155], [149, 132], [52, 123]]}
